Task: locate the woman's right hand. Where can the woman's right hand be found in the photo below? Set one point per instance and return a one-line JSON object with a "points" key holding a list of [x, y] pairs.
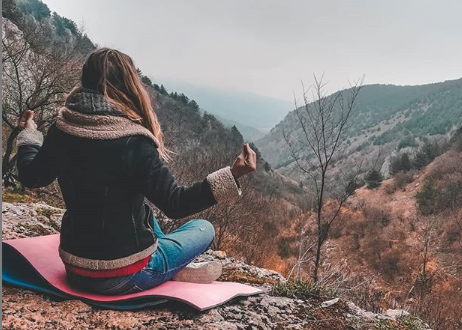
{"points": [[245, 163], [27, 120]]}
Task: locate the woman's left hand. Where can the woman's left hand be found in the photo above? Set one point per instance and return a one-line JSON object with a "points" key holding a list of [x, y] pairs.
{"points": [[245, 163], [27, 120]]}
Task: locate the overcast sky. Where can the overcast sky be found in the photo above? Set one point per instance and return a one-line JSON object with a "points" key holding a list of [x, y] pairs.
{"points": [[267, 47]]}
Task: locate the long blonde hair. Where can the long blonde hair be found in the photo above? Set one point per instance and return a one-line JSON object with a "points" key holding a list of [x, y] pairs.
{"points": [[113, 74]]}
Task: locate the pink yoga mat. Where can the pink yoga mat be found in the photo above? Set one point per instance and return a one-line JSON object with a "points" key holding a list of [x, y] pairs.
{"points": [[42, 254]]}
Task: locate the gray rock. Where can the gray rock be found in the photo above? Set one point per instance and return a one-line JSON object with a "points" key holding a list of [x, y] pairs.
{"points": [[396, 313], [329, 303]]}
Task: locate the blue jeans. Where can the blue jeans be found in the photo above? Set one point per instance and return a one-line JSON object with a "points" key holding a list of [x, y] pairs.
{"points": [[174, 251]]}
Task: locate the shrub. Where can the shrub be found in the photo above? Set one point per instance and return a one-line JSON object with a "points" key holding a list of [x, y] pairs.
{"points": [[377, 216], [431, 199], [420, 160], [408, 141], [431, 150], [284, 248], [335, 231], [403, 178], [388, 264], [373, 179], [456, 140], [426, 154], [390, 188], [452, 195], [452, 233], [399, 163], [427, 199], [300, 290]]}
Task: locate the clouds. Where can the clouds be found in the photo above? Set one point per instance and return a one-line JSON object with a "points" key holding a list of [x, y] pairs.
{"points": [[266, 47]]}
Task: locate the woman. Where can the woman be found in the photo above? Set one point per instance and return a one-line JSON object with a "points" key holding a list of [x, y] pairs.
{"points": [[107, 151]]}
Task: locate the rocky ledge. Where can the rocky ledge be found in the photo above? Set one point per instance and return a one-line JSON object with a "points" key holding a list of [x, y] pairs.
{"points": [[24, 309]]}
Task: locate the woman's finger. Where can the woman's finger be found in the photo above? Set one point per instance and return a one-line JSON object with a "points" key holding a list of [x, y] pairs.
{"points": [[28, 114], [27, 120], [22, 120], [24, 116]]}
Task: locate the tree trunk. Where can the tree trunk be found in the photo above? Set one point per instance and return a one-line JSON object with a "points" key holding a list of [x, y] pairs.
{"points": [[317, 260], [7, 163], [320, 229]]}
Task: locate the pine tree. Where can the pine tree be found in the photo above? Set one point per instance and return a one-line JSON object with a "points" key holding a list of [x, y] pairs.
{"points": [[373, 179], [163, 90], [146, 80]]}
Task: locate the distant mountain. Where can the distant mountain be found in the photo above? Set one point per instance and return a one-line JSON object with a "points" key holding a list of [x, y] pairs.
{"points": [[248, 109], [249, 133], [386, 116]]}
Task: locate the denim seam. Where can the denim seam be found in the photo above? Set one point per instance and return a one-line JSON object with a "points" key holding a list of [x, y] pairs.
{"points": [[118, 285]]}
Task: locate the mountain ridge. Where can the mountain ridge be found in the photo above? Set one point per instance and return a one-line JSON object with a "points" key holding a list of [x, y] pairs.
{"points": [[384, 116]]}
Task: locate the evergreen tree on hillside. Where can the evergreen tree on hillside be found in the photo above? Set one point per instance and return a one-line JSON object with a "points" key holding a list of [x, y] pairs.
{"points": [[34, 8], [431, 149], [399, 163], [456, 140], [64, 26], [408, 141], [193, 104], [11, 11], [237, 136], [427, 198], [426, 154], [420, 160], [183, 98], [146, 80], [31, 16], [163, 90], [373, 179]]}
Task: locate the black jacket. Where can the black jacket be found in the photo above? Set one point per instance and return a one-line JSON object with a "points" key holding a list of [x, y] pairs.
{"points": [[104, 179]]}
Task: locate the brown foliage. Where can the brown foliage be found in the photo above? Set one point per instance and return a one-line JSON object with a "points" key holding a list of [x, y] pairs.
{"points": [[377, 216], [403, 178]]}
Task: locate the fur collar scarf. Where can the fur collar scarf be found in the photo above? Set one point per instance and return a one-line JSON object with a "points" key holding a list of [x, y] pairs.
{"points": [[88, 114]]}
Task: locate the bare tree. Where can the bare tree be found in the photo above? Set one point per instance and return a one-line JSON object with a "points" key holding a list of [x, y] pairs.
{"points": [[323, 122], [430, 230], [35, 75]]}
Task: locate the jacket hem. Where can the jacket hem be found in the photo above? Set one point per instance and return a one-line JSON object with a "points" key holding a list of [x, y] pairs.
{"points": [[123, 271], [94, 264]]}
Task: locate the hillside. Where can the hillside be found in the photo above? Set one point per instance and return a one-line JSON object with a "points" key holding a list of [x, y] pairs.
{"points": [[387, 117], [400, 243]]}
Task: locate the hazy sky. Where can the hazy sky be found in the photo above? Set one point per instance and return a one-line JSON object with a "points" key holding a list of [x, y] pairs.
{"points": [[267, 47]]}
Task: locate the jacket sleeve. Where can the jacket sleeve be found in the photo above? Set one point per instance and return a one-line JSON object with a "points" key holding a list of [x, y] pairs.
{"points": [[160, 187], [36, 160]]}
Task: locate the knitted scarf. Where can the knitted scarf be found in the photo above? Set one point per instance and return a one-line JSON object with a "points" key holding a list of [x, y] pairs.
{"points": [[88, 114]]}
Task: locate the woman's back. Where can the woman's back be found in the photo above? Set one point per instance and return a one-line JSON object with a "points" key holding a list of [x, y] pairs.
{"points": [[106, 150]]}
